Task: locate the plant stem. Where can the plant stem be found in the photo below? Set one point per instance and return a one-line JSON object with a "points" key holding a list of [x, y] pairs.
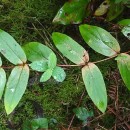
{"points": [[7, 67], [78, 65], [109, 58], [77, 106], [104, 59], [70, 65], [95, 62]]}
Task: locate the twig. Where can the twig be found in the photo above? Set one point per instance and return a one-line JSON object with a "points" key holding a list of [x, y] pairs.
{"points": [[69, 65], [7, 67], [128, 126], [102, 127], [77, 106], [96, 118], [93, 62]]}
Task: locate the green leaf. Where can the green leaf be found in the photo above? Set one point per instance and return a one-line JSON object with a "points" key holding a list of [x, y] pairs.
{"points": [[114, 11], [102, 9], [126, 31], [35, 124], [123, 62], [58, 74], [16, 86], [52, 61], [124, 22], [95, 85], [2, 81], [0, 61], [99, 40], [36, 51], [40, 66], [82, 113], [11, 49], [73, 12], [40, 123], [46, 75], [70, 49]]}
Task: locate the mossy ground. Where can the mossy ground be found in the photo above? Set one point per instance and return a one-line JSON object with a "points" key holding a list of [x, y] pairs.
{"points": [[30, 20]]}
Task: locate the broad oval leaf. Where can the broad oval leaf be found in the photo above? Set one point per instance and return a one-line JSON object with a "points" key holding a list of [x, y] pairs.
{"points": [[70, 48], [46, 75], [2, 81], [72, 12], [99, 40], [123, 62], [11, 49], [16, 86], [102, 9], [124, 22], [95, 85], [58, 74], [36, 51], [52, 61], [40, 65]]}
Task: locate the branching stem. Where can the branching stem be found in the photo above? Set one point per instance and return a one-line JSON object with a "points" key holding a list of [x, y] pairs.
{"points": [[95, 62], [78, 65]]}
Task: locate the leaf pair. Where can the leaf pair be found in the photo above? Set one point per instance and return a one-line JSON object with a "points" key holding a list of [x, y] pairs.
{"points": [[56, 72], [102, 42], [18, 79], [52, 62], [44, 60], [42, 57], [92, 76]]}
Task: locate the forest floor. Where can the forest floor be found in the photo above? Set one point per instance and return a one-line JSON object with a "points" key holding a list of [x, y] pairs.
{"points": [[29, 21]]}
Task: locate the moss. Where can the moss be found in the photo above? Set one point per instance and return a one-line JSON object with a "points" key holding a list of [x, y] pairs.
{"points": [[3, 117], [56, 99], [18, 17]]}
